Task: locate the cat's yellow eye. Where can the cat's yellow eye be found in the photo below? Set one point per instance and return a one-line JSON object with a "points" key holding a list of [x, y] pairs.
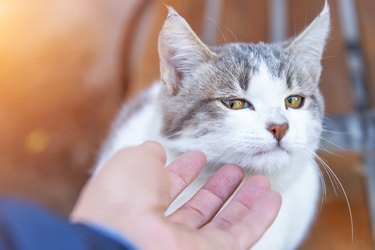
{"points": [[237, 104], [294, 101]]}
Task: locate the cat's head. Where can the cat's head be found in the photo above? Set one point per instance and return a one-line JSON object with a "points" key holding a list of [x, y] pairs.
{"points": [[255, 105]]}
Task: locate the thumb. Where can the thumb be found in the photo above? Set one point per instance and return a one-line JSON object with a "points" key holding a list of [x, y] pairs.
{"points": [[139, 172], [133, 180]]}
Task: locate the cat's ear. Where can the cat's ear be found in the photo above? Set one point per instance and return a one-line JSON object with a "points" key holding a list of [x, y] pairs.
{"points": [[180, 51], [307, 48]]}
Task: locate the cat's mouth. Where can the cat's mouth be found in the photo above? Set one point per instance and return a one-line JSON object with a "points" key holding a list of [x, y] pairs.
{"points": [[276, 150]]}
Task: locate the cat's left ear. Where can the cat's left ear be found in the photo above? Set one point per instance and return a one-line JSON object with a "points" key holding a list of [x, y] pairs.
{"points": [[180, 51], [307, 48]]}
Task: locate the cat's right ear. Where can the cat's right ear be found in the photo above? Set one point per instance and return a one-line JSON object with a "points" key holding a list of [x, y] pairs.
{"points": [[180, 51], [307, 48]]}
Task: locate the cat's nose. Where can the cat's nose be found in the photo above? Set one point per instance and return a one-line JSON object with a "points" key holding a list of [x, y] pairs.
{"points": [[278, 130]]}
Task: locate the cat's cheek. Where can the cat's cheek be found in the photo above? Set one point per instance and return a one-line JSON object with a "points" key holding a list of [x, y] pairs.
{"points": [[313, 135]]}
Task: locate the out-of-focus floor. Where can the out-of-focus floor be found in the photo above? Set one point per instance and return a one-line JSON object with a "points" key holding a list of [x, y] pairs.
{"points": [[332, 229]]}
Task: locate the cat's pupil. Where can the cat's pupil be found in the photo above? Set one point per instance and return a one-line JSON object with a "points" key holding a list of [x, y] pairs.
{"points": [[231, 104]]}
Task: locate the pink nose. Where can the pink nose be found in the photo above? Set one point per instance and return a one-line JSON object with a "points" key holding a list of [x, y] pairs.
{"points": [[278, 130]]}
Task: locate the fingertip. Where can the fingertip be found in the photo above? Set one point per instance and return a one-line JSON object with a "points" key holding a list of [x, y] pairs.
{"points": [[152, 144], [254, 188], [233, 168], [197, 155], [156, 148], [259, 182], [188, 165], [276, 198]]}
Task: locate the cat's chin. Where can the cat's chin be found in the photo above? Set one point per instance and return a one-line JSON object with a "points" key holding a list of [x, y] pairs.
{"points": [[269, 162], [267, 153], [259, 162]]}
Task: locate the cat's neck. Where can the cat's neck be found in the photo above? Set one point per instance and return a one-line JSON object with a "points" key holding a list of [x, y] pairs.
{"points": [[298, 166]]}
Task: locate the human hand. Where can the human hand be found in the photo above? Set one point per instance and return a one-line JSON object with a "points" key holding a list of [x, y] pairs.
{"points": [[130, 194]]}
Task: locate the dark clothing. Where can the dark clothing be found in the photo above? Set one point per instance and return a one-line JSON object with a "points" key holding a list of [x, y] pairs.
{"points": [[28, 227]]}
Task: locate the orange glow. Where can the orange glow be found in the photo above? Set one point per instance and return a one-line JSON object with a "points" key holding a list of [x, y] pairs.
{"points": [[36, 142]]}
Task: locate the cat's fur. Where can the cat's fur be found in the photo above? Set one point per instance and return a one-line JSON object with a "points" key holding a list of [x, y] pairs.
{"points": [[184, 111]]}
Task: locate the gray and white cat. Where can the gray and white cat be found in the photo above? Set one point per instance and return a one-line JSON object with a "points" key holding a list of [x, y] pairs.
{"points": [[254, 105]]}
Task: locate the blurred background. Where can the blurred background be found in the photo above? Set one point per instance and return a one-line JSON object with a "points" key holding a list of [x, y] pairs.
{"points": [[66, 67]]}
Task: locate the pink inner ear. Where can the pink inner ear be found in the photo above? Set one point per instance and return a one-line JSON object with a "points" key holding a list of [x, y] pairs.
{"points": [[170, 75], [165, 54]]}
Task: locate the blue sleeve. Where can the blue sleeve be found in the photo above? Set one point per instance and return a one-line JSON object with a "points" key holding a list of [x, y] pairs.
{"points": [[27, 227]]}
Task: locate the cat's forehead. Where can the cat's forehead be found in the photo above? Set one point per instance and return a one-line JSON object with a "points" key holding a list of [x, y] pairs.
{"points": [[254, 55], [266, 87], [240, 63], [261, 61]]}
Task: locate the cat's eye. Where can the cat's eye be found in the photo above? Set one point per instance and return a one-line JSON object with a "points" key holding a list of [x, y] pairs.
{"points": [[237, 104], [294, 101]]}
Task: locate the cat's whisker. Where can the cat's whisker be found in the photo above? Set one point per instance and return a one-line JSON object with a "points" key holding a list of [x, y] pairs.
{"points": [[331, 143], [231, 32], [307, 152], [218, 27], [328, 151], [336, 183], [329, 175], [327, 129], [330, 131], [326, 166], [324, 189], [329, 57]]}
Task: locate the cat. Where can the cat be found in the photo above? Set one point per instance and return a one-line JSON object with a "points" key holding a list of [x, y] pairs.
{"points": [[254, 105]]}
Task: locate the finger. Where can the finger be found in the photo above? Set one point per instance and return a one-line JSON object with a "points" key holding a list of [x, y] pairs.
{"points": [[256, 222], [147, 154], [154, 149], [184, 170], [140, 166], [242, 202], [205, 204]]}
